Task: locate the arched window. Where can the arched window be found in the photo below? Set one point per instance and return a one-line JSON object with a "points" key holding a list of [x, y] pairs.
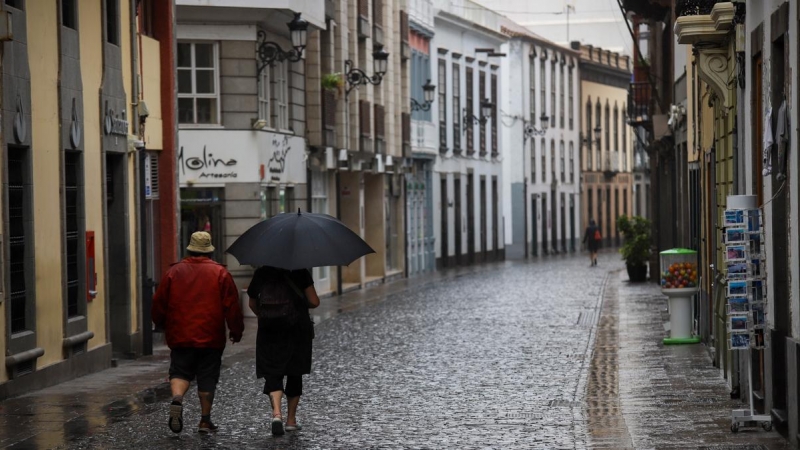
{"points": [[598, 110], [543, 153], [608, 127], [588, 136], [616, 128], [624, 139], [571, 166]]}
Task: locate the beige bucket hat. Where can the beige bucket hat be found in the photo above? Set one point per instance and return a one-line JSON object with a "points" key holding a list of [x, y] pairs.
{"points": [[200, 243]]}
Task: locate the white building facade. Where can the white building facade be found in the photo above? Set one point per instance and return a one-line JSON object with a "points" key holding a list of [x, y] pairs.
{"points": [[242, 121], [541, 128], [420, 237], [468, 171]]}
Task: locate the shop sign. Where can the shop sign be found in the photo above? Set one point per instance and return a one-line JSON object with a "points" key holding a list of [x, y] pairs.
{"points": [[217, 157], [226, 156], [115, 123], [284, 158]]}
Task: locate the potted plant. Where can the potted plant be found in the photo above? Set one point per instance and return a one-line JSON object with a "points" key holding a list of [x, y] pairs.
{"points": [[636, 249], [333, 82]]}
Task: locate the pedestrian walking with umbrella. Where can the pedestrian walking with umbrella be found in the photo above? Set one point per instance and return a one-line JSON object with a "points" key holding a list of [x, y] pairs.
{"points": [[282, 292]]}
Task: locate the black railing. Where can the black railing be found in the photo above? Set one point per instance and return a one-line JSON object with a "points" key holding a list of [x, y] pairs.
{"points": [[694, 7], [640, 103]]}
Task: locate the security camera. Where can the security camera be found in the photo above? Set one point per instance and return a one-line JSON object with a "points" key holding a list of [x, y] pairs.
{"points": [[142, 110]]}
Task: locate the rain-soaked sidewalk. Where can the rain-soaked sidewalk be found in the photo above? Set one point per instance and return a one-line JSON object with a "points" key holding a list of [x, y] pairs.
{"points": [[544, 354], [642, 394]]}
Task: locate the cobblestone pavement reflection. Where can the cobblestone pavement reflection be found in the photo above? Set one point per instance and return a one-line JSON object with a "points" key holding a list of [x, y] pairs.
{"points": [[505, 357]]}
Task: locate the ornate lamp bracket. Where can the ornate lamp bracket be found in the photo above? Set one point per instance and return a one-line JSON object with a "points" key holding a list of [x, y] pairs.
{"points": [[269, 53]]}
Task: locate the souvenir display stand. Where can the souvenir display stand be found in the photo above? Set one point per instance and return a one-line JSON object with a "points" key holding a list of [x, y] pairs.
{"points": [[746, 294], [679, 282]]}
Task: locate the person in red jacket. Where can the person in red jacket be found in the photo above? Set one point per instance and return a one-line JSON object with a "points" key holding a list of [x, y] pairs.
{"points": [[194, 301]]}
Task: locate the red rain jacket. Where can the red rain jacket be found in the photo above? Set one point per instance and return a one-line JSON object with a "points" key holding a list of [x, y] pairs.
{"points": [[194, 300]]}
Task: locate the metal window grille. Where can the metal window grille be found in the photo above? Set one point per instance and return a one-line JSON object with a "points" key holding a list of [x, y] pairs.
{"points": [[154, 184], [72, 213], [19, 203]]}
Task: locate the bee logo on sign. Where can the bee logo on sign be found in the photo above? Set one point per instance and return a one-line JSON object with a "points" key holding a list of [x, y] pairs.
{"points": [[115, 123]]}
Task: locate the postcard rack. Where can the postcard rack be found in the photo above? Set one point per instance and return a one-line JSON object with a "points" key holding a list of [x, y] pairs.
{"points": [[746, 295]]}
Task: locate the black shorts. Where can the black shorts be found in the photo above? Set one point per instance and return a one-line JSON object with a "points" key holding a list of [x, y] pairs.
{"points": [[203, 363]]}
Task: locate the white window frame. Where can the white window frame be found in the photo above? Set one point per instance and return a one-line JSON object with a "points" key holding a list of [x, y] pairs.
{"points": [[193, 95], [279, 90], [265, 97], [319, 196]]}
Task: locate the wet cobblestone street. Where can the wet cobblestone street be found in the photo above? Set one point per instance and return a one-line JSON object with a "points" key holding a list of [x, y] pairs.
{"points": [[547, 354]]}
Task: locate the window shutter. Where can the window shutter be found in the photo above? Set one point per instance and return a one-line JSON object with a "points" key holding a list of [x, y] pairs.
{"points": [[154, 176]]}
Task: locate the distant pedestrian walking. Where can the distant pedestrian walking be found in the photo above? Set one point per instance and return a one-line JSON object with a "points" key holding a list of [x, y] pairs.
{"points": [[194, 301], [281, 300], [592, 238]]}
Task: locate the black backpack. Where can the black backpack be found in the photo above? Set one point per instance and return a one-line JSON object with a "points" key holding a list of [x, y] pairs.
{"points": [[277, 300]]}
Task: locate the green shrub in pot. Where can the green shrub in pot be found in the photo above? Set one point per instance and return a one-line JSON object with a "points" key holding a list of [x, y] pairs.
{"points": [[636, 249]]}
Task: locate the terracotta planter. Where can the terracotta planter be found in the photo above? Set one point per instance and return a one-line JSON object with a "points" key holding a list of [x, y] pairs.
{"points": [[638, 273]]}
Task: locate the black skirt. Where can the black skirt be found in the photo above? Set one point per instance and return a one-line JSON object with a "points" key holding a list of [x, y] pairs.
{"points": [[282, 350]]}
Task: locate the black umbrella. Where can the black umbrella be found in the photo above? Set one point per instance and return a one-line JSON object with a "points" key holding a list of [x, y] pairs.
{"points": [[299, 241]]}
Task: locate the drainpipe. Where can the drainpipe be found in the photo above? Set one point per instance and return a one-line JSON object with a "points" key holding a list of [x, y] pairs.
{"points": [[145, 283]]}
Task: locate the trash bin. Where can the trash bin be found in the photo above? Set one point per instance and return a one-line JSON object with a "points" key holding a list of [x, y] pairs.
{"points": [[680, 282], [244, 301]]}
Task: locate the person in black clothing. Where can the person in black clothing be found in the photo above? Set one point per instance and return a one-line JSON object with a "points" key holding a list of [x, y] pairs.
{"points": [[283, 349], [592, 239]]}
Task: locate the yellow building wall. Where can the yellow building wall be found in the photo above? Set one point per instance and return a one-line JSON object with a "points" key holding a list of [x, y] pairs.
{"points": [[46, 161], [596, 179], [133, 216], [151, 92], [91, 42], [616, 96]]}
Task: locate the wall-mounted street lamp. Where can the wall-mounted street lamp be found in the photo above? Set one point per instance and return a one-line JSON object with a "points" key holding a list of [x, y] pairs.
{"points": [[531, 130], [486, 113], [270, 52], [356, 77], [428, 90]]}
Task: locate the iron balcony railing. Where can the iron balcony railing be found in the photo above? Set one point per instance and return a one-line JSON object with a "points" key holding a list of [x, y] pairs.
{"points": [[640, 103], [694, 7]]}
